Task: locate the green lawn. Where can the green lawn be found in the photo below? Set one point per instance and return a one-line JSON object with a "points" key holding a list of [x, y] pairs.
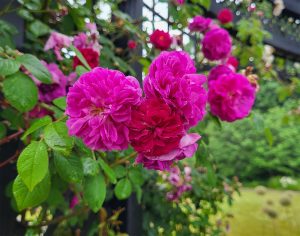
{"points": [[249, 218]]}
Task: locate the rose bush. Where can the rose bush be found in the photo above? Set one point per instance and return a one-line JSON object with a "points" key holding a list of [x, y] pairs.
{"points": [[91, 132]]}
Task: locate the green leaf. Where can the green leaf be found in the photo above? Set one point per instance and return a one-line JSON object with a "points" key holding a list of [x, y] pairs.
{"points": [[60, 103], [38, 28], [269, 136], [2, 130], [108, 171], [90, 167], [33, 65], [8, 66], [136, 177], [25, 198], [33, 164], [38, 123], [120, 171], [123, 189], [80, 70], [20, 91], [80, 57], [57, 138], [69, 168], [94, 191]]}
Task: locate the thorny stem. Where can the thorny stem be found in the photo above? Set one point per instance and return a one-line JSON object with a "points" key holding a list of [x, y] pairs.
{"points": [[124, 159], [10, 137]]}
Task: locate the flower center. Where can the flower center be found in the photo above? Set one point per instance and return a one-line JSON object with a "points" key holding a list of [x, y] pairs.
{"points": [[96, 110]]}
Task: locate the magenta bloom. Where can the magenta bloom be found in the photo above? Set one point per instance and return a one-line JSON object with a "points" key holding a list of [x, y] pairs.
{"points": [[218, 71], [216, 44], [200, 24], [57, 41], [186, 148], [172, 77], [99, 108], [180, 2], [231, 97], [48, 92], [74, 201]]}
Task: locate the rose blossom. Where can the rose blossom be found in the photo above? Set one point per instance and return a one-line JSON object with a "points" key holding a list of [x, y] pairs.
{"points": [[48, 92], [90, 55], [172, 77], [74, 201], [131, 44], [218, 71], [180, 183], [161, 39], [200, 24], [155, 129], [216, 44], [99, 108], [231, 97], [232, 62], [179, 2], [57, 41], [225, 16]]}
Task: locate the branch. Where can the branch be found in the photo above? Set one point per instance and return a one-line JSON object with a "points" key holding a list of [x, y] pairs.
{"points": [[10, 137], [59, 219], [7, 161]]}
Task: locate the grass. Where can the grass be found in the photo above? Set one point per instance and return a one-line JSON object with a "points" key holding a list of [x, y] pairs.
{"points": [[250, 219]]}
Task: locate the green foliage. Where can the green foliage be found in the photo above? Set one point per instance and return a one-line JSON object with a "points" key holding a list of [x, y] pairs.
{"points": [[69, 168], [108, 171], [7, 31], [123, 189], [37, 124], [90, 167], [258, 152], [60, 103], [34, 66], [20, 91], [57, 138], [8, 66], [25, 198], [94, 191], [32, 164]]}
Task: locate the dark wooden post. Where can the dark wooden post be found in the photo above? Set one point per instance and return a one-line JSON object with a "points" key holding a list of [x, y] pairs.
{"points": [[134, 221]]}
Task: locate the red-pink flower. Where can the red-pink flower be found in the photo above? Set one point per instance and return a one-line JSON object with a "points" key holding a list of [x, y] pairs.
{"points": [[225, 16], [131, 44], [157, 133], [232, 62], [155, 129], [186, 148], [99, 108], [57, 41], [172, 77], [161, 39], [231, 97], [216, 44], [90, 55], [200, 24]]}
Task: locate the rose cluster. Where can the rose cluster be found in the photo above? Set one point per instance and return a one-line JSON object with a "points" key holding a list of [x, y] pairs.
{"points": [[180, 182], [86, 43], [107, 111]]}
